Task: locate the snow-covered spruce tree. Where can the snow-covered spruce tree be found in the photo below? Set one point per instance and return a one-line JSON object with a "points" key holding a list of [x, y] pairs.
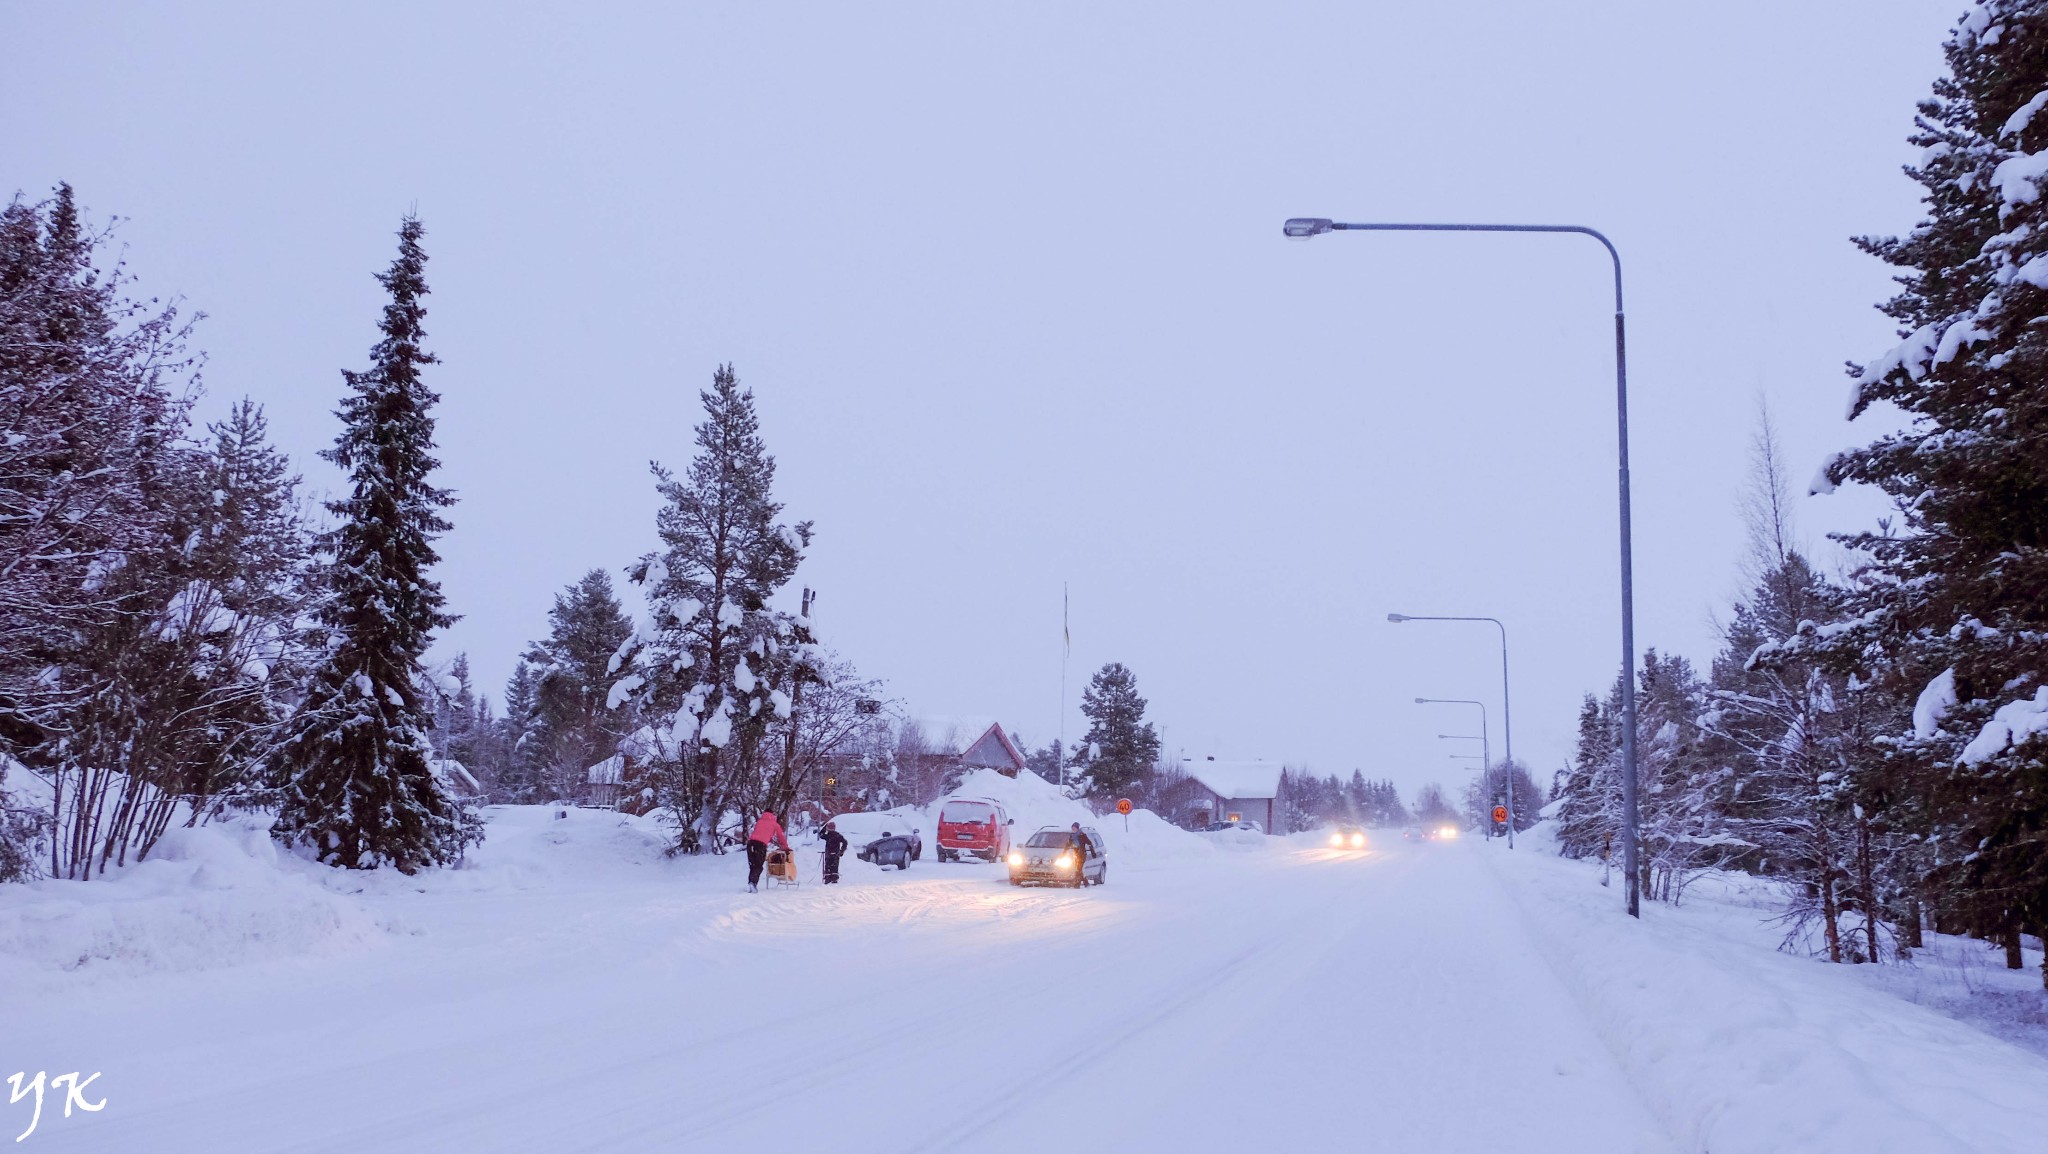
{"points": [[1955, 609], [457, 723], [516, 772], [1589, 813], [1120, 745], [1678, 821], [572, 728], [1776, 719], [358, 789], [705, 682]]}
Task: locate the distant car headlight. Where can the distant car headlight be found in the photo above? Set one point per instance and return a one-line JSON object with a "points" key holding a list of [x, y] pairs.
{"points": [[1016, 860], [1357, 839], [1065, 861], [1337, 839], [1447, 831]]}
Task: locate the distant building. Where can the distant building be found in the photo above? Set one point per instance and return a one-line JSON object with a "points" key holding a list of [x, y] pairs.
{"points": [[1237, 791], [605, 781], [456, 779], [993, 750]]}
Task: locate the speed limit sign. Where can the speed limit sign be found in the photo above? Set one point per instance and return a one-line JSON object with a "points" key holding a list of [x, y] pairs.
{"points": [[1500, 815], [1123, 806]]}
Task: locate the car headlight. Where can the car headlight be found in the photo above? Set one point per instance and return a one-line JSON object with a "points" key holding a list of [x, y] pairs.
{"points": [[1447, 831], [1065, 861], [1016, 860], [1337, 839], [1358, 839]]}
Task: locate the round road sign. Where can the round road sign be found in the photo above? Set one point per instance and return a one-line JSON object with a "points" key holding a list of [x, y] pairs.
{"points": [[1123, 805], [1500, 815]]}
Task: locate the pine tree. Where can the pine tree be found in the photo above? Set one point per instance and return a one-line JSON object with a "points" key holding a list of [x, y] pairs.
{"points": [[517, 771], [573, 727], [1589, 818], [1120, 747], [459, 740], [707, 683], [359, 791], [1955, 608]]}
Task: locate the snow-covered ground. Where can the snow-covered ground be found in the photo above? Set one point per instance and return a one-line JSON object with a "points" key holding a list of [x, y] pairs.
{"points": [[573, 989]]}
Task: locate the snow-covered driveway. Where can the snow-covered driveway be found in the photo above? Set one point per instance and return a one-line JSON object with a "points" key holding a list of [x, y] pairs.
{"points": [[1250, 999]]}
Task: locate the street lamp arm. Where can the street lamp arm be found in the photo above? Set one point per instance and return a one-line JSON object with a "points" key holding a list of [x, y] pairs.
{"points": [[1612, 253]]}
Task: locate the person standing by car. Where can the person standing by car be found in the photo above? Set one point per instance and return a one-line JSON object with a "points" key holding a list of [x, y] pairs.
{"points": [[835, 845], [1084, 848], [767, 831]]}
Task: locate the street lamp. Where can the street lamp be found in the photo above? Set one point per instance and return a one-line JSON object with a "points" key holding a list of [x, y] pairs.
{"points": [[1304, 227], [1485, 753], [1507, 717]]}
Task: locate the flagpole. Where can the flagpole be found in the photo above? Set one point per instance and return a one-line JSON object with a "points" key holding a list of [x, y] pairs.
{"points": [[1066, 651]]}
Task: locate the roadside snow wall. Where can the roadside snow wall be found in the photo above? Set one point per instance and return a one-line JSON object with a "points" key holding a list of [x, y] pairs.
{"points": [[1743, 1050], [1034, 803]]}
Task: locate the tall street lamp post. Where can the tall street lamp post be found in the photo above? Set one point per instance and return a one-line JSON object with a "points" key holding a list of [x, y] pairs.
{"points": [[1507, 716], [1302, 228]]}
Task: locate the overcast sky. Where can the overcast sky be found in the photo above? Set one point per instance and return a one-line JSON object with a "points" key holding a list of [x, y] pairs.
{"points": [[1009, 286]]}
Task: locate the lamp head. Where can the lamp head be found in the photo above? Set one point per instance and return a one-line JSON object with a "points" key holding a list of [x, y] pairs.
{"points": [[1422, 701], [1397, 618], [1303, 227]]}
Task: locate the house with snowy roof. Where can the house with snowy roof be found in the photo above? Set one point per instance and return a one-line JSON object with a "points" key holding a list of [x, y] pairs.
{"points": [[971, 743], [456, 779], [1237, 791], [993, 750], [605, 781]]}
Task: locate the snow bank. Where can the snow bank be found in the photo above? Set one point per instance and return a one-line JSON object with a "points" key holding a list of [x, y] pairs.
{"points": [[209, 897], [1034, 803], [1740, 1048]]}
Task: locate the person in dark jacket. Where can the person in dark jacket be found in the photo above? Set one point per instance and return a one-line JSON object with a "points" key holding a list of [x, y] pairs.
{"points": [[1084, 848], [835, 846]]}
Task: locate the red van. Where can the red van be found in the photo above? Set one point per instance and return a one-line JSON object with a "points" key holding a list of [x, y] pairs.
{"points": [[972, 825]]}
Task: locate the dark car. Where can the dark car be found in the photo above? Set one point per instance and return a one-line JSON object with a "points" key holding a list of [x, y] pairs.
{"points": [[865, 831], [1050, 858], [892, 850]]}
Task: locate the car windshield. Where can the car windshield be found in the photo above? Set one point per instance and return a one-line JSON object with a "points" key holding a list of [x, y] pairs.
{"points": [[1050, 839], [967, 811]]}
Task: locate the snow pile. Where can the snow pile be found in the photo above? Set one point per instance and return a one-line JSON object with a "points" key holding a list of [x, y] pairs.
{"points": [[1741, 1048], [2014, 723], [214, 896], [1248, 839], [1933, 704], [1034, 803]]}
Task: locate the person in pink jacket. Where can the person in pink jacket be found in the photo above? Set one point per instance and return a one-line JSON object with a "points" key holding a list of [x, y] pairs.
{"points": [[767, 831]]}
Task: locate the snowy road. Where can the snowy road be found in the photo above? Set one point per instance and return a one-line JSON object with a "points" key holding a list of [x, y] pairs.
{"points": [[1238, 1000]]}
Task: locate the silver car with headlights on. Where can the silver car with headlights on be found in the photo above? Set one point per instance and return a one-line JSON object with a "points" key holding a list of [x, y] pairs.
{"points": [[1051, 858]]}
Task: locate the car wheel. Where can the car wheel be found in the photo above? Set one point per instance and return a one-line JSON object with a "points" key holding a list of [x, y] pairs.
{"points": [[903, 863]]}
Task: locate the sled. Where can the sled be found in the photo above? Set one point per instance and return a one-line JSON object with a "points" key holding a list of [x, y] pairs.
{"points": [[782, 867]]}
